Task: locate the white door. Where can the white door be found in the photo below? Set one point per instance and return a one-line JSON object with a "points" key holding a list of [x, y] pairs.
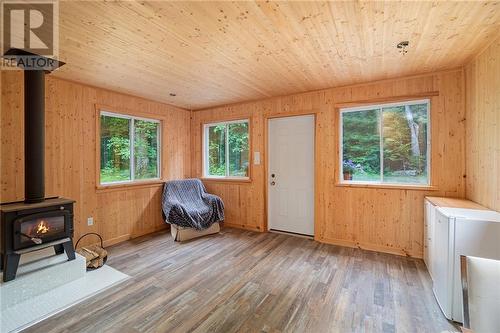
{"points": [[291, 175]]}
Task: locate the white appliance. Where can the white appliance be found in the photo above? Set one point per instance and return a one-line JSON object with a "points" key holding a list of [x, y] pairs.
{"points": [[429, 221], [458, 231], [483, 276]]}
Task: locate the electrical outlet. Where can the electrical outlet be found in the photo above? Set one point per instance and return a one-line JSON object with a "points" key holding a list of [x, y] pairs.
{"points": [[90, 221]]}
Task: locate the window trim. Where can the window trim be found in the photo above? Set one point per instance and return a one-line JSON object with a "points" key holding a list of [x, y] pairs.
{"points": [[133, 118], [205, 163], [380, 183]]}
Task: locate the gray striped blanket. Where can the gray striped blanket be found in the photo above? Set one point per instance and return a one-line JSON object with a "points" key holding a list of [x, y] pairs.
{"points": [[186, 203]]}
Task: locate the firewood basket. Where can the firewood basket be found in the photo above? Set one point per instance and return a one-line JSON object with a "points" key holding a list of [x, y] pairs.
{"points": [[104, 259]]}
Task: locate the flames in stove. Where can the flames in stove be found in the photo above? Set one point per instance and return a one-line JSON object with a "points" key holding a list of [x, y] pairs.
{"points": [[37, 230], [42, 228]]}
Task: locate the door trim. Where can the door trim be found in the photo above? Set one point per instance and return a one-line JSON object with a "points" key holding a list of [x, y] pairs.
{"points": [[265, 160], [296, 234]]}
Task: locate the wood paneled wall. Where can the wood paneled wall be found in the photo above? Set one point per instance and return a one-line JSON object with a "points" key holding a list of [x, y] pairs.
{"points": [[70, 160], [483, 127], [383, 219]]}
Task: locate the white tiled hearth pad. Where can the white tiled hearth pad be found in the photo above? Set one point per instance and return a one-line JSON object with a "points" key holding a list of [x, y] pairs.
{"points": [[46, 284]]}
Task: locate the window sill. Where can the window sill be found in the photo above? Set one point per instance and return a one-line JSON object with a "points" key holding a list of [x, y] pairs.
{"points": [[136, 184], [226, 180], [390, 186]]}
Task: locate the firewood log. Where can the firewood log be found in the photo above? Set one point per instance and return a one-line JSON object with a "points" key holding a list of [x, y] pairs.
{"points": [[94, 255], [101, 252], [94, 263], [89, 255]]}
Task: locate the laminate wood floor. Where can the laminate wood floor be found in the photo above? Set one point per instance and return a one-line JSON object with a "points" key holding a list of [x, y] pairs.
{"points": [[243, 281]]}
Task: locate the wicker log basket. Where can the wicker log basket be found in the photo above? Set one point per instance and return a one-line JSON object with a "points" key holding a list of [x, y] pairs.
{"points": [[95, 255]]}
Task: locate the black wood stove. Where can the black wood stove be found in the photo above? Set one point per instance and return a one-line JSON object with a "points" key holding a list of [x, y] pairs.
{"points": [[31, 227], [36, 222]]}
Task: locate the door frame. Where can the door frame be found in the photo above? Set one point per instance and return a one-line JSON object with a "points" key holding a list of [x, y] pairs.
{"points": [[267, 118]]}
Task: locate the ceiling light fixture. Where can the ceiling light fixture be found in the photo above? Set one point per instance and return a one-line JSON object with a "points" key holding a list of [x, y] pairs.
{"points": [[402, 47]]}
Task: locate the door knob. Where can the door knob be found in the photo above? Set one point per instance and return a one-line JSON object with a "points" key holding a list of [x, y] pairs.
{"points": [[273, 183]]}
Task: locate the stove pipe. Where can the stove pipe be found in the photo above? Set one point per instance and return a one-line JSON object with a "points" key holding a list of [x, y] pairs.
{"points": [[34, 119], [34, 136]]}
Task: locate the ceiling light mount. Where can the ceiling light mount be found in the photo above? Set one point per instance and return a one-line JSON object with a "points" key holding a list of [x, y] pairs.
{"points": [[402, 47]]}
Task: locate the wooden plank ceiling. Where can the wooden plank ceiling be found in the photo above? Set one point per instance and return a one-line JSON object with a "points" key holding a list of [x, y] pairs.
{"points": [[212, 53]]}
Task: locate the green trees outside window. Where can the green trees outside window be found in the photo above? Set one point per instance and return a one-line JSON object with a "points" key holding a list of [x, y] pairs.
{"points": [[129, 148], [227, 149], [386, 143], [146, 149], [361, 144], [217, 150]]}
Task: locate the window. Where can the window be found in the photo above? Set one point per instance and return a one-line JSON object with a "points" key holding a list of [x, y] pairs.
{"points": [[387, 144], [226, 149], [130, 148]]}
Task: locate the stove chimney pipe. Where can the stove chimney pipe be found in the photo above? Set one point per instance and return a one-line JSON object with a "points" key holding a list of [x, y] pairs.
{"points": [[35, 67], [34, 136]]}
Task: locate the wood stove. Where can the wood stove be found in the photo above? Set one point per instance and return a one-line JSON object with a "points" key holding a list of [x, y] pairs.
{"points": [[36, 222], [31, 227]]}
